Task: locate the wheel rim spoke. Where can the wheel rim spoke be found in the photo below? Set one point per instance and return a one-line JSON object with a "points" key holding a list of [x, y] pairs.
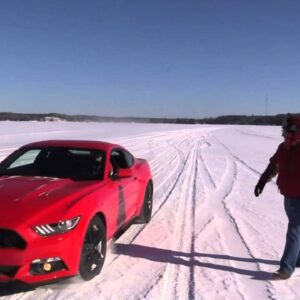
{"points": [[148, 202], [93, 249]]}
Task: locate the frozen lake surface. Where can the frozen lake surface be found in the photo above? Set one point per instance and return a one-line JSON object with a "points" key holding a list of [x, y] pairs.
{"points": [[209, 238]]}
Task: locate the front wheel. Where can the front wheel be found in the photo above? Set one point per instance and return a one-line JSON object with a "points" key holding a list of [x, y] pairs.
{"points": [[146, 212], [93, 250]]}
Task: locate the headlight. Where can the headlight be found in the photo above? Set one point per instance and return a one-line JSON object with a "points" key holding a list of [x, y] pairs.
{"points": [[57, 228]]}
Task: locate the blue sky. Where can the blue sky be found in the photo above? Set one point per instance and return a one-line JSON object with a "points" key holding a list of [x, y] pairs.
{"points": [[150, 57]]}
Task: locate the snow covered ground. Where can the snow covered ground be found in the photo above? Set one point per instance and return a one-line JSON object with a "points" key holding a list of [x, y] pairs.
{"points": [[209, 237]]}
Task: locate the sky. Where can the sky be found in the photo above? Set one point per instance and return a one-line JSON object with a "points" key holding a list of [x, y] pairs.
{"points": [[150, 58]]}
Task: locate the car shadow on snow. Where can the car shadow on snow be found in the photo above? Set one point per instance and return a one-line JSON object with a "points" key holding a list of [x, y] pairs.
{"points": [[193, 260], [17, 287], [7, 289]]}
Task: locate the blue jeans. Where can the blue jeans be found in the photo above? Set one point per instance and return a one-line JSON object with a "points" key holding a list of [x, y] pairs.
{"points": [[291, 254]]}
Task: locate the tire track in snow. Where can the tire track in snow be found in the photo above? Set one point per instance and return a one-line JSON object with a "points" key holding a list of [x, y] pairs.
{"points": [[258, 135], [192, 284], [233, 167], [188, 266], [215, 195], [176, 278], [232, 173], [205, 226], [160, 276], [209, 184], [242, 162], [216, 205], [247, 167], [269, 286], [162, 162], [173, 277]]}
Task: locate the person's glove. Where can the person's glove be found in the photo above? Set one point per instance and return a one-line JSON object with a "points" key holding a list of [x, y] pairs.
{"points": [[259, 188]]}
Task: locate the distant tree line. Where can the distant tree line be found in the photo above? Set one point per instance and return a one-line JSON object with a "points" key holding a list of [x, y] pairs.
{"points": [[229, 119]]}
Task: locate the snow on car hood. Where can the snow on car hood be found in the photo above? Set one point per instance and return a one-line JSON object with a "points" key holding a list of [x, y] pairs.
{"points": [[23, 198]]}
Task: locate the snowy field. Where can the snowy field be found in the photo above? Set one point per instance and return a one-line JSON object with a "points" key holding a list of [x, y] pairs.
{"points": [[209, 237]]}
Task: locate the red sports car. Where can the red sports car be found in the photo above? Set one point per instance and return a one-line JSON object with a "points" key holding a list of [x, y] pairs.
{"points": [[60, 201]]}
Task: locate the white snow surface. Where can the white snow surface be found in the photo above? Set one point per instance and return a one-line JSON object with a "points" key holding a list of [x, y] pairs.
{"points": [[209, 237]]}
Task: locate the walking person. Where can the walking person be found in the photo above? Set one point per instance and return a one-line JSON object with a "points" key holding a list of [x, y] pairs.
{"points": [[286, 163]]}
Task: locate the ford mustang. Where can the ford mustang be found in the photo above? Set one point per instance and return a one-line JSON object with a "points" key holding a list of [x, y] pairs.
{"points": [[61, 201]]}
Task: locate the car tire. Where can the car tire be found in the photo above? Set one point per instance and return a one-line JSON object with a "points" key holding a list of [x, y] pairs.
{"points": [[146, 212], [93, 250]]}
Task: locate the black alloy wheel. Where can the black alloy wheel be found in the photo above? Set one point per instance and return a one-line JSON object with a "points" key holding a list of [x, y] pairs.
{"points": [[146, 212], [93, 250]]}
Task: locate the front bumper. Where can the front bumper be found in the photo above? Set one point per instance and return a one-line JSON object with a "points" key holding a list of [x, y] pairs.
{"points": [[26, 264]]}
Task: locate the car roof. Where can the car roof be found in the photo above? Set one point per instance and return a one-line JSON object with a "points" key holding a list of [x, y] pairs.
{"points": [[73, 144]]}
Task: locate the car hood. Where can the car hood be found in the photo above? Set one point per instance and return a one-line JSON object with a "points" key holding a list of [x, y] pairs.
{"points": [[28, 199]]}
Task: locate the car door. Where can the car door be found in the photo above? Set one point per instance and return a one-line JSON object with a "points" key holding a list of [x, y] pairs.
{"points": [[126, 186]]}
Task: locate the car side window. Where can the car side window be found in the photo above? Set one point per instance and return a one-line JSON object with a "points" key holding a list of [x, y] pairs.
{"points": [[117, 159], [121, 159], [129, 159]]}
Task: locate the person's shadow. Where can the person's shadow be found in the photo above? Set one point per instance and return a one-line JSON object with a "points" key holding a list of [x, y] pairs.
{"points": [[179, 258]]}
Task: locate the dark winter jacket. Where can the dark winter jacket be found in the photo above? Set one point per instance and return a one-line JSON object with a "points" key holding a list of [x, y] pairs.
{"points": [[286, 163]]}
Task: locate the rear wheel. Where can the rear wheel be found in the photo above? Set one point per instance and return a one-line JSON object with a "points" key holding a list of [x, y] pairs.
{"points": [[146, 211], [93, 250]]}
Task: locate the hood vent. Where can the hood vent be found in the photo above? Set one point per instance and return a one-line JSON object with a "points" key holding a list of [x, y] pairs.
{"points": [[10, 239], [8, 271]]}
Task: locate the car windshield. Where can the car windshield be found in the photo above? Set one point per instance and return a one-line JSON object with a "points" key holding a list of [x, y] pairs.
{"points": [[58, 162]]}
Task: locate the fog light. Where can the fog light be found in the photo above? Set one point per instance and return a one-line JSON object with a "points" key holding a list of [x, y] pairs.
{"points": [[47, 267], [44, 266]]}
